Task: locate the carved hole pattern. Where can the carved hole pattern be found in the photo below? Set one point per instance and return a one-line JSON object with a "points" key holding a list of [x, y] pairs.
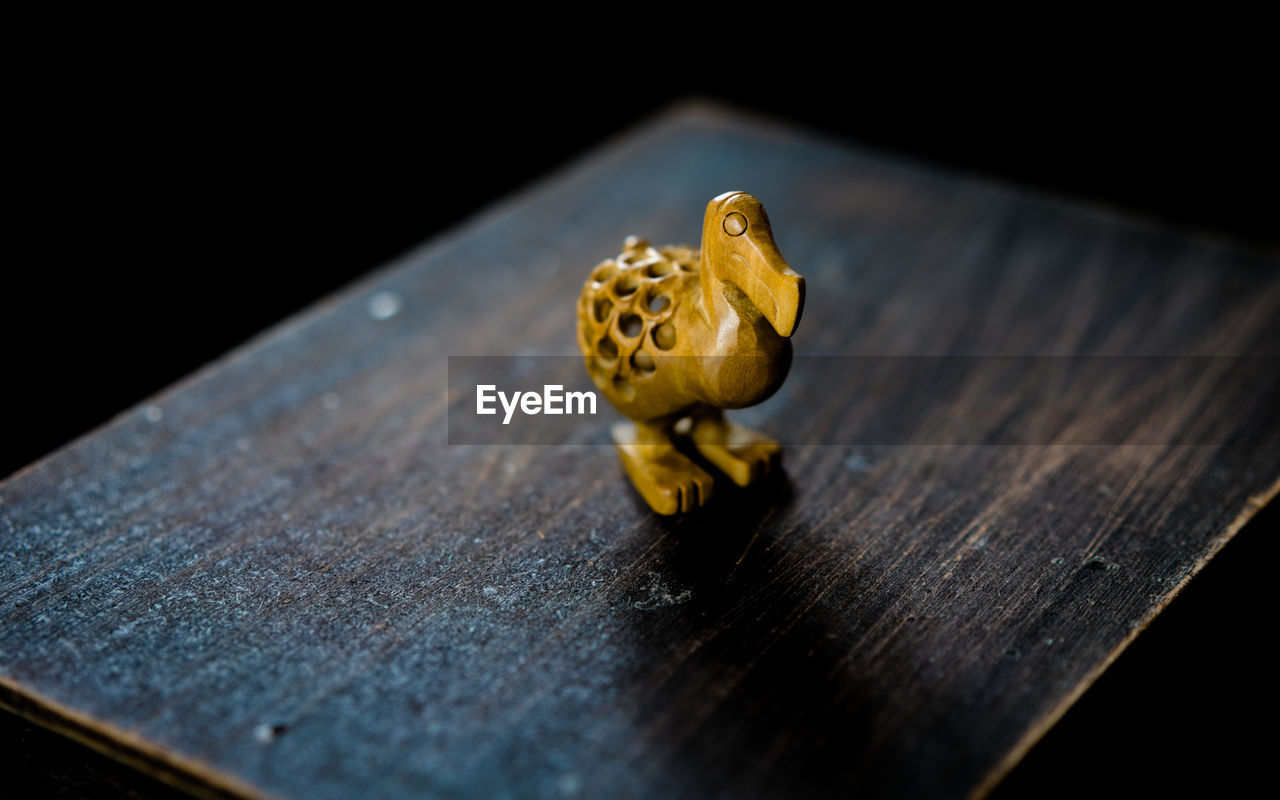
{"points": [[630, 325], [624, 387], [625, 308], [605, 272], [626, 284]]}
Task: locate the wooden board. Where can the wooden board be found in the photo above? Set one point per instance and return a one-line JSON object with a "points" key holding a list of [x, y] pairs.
{"points": [[279, 578]]}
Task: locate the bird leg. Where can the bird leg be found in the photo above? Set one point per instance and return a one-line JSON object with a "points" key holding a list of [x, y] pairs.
{"points": [[668, 480], [737, 451]]}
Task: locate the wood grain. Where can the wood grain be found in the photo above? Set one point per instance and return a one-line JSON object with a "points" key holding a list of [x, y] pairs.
{"points": [[278, 578]]}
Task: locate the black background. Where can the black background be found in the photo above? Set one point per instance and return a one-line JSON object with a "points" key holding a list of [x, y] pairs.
{"points": [[171, 197], [174, 200]]}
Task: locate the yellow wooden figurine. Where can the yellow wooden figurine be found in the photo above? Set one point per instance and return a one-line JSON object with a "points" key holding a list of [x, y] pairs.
{"points": [[673, 336]]}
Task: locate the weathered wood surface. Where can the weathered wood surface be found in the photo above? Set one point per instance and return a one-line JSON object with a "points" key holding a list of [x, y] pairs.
{"points": [[278, 577]]}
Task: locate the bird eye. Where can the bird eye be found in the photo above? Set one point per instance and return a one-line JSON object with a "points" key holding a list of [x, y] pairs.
{"points": [[735, 224]]}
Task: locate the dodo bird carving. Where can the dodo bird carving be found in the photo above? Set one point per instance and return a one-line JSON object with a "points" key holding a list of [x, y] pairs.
{"points": [[673, 336]]}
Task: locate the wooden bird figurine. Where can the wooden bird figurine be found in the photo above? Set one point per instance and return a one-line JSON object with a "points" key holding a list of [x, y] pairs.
{"points": [[673, 336]]}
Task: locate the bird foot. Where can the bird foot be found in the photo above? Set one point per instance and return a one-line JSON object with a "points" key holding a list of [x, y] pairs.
{"points": [[744, 455], [668, 481]]}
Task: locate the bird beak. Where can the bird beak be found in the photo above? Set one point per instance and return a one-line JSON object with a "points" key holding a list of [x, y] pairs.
{"points": [[774, 288]]}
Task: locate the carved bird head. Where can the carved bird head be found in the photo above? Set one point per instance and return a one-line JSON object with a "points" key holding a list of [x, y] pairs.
{"points": [[738, 247]]}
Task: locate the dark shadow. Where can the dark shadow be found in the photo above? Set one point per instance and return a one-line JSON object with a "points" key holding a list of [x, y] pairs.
{"points": [[40, 763], [1186, 709], [767, 704], [765, 691]]}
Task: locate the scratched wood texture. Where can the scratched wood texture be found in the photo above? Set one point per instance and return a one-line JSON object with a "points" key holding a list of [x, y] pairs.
{"points": [[277, 578]]}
